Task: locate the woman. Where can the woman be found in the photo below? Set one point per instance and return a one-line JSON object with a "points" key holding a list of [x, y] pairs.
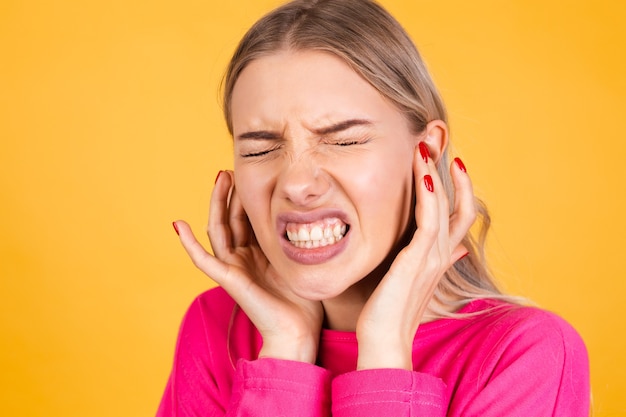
{"points": [[349, 282]]}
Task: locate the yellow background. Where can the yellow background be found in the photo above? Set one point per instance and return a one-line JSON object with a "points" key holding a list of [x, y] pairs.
{"points": [[110, 128]]}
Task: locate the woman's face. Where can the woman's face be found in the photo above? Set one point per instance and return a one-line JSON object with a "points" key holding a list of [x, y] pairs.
{"points": [[323, 168]]}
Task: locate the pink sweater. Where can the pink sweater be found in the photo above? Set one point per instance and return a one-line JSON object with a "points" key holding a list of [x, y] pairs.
{"points": [[509, 361]]}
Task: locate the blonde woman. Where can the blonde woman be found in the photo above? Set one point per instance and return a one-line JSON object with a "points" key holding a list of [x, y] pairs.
{"points": [[349, 282]]}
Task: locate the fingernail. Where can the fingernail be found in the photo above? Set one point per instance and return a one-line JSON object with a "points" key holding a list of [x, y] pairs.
{"points": [[218, 176], [428, 182], [466, 253], [460, 164], [175, 228], [425, 154]]}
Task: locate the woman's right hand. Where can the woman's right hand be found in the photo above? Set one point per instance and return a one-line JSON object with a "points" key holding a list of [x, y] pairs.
{"points": [[290, 326]]}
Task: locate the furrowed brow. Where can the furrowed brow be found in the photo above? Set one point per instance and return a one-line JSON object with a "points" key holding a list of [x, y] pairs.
{"points": [[327, 130], [260, 134], [341, 126]]}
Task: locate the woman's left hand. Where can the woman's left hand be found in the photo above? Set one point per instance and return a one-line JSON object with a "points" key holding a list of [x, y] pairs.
{"points": [[390, 318]]}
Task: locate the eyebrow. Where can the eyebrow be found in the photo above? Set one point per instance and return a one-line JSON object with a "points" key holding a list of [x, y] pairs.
{"points": [[341, 126], [260, 134], [327, 130]]}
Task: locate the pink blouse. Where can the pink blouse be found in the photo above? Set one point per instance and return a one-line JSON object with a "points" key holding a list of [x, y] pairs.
{"points": [[506, 360]]}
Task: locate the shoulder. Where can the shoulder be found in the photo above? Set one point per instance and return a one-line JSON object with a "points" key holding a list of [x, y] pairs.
{"points": [[213, 301], [516, 323], [207, 317], [530, 338], [215, 323], [525, 358]]}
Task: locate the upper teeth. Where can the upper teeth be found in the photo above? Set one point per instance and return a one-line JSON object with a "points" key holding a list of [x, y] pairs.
{"points": [[315, 235]]}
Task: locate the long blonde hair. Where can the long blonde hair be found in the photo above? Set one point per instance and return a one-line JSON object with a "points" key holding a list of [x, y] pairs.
{"points": [[375, 45]]}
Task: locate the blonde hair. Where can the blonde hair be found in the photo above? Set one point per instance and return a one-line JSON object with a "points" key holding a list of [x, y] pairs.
{"points": [[375, 45]]}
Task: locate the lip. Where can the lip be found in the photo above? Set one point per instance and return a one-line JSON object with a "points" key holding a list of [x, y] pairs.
{"points": [[315, 255]]}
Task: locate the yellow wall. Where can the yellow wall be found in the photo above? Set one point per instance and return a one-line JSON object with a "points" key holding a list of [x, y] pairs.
{"points": [[110, 128]]}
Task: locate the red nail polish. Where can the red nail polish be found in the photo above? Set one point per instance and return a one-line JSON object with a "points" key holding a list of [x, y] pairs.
{"points": [[428, 182], [425, 154], [175, 228], [218, 176], [460, 164], [466, 253]]}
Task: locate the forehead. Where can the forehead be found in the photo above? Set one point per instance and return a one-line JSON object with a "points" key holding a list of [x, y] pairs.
{"points": [[312, 87]]}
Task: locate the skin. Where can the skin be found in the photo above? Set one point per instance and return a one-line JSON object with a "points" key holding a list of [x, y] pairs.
{"points": [[313, 140]]}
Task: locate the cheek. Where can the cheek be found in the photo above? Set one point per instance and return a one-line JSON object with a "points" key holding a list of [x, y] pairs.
{"points": [[249, 191], [254, 192], [386, 176], [386, 194]]}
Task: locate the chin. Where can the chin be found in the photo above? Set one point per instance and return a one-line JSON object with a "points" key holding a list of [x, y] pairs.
{"points": [[318, 288]]}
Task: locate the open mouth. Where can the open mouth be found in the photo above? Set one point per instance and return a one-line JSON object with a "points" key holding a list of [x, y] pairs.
{"points": [[317, 234]]}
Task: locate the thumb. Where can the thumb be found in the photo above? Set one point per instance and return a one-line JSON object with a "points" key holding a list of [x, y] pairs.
{"points": [[202, 259]]}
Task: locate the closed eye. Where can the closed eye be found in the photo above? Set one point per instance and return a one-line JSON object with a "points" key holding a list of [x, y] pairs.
{"points": [[353, 142], [253, 154], [349, 142], [259, 153]]}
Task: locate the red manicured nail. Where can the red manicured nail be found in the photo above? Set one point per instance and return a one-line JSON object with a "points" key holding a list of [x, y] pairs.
{"points": [[428, 182], [175, 228], [466, 253], [218, 176], [425, 154], [460, 164]]}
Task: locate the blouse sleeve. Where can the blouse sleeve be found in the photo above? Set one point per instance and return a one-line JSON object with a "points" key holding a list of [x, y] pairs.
{"points": [[204, 383], [388, 392], [271, 387], [192, 388]]}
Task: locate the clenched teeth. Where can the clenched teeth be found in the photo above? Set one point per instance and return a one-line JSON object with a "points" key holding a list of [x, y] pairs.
{"points": [[318, 234]]}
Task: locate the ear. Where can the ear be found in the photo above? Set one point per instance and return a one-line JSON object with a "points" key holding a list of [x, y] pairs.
{"points": [[435, 136]]}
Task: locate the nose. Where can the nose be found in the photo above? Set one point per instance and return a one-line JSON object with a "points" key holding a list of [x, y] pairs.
{"points": [[303, 182]]}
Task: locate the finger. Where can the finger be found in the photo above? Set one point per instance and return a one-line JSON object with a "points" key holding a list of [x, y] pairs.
{"points": [[464, 214], [425, 166], [419, 260], [203, 260], [238, 221], [218, 227], [443, 238], [238, 285], [426, 206]]}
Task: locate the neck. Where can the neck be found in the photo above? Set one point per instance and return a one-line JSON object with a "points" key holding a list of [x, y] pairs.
{"points": [[343, 311]]}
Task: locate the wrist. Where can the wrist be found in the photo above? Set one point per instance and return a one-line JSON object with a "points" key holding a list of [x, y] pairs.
{"points": [[298, 350], [384, 354]]}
